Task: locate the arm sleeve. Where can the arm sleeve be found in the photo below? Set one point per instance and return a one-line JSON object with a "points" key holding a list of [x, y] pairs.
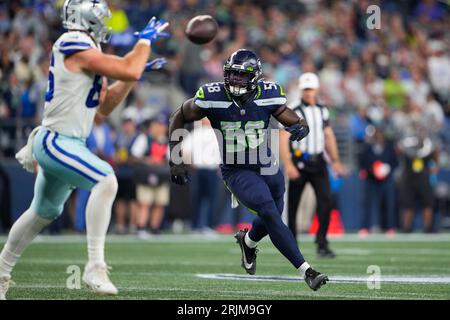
{"points": [[211, 96], [270, 95], [201, 102]]}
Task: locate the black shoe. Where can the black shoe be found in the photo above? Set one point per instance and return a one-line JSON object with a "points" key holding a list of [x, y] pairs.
{"points": [[248, 254], [325, 252], [315, 279]]}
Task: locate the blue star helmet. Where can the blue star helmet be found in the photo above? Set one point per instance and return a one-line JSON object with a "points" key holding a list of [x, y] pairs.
{"points": [[242, 71]]}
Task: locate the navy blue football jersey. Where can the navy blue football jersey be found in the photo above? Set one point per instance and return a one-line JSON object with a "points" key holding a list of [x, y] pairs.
{"points": [[241, 128]]}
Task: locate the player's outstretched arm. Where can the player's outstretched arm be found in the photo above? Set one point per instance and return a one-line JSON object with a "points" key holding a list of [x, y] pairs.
{"points": [[296, 126], [128, 68], [113, 95], [188, 112]]}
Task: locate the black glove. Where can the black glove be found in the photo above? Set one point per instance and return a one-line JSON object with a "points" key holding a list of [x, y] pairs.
{"points": [[179, 174], [298, 131]]}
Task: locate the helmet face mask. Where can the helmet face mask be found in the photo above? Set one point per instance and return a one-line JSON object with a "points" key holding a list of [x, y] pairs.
{"points": [[242, 72], [238, 82], [89, 16]]}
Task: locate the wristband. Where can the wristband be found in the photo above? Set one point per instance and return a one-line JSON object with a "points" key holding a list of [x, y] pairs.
{"points": [[145, 41]]}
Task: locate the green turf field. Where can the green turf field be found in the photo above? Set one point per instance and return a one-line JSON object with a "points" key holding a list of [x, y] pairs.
{"points": [[195, 267]]}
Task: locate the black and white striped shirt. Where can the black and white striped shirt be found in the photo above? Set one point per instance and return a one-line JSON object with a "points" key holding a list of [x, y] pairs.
{"points": [[318, 118]]}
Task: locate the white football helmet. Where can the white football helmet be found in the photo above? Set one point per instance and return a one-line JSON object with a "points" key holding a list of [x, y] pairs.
{"points": [[87, 15]]}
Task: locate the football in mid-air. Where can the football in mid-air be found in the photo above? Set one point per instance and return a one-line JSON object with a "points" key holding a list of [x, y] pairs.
{"points": [[201, 29]]}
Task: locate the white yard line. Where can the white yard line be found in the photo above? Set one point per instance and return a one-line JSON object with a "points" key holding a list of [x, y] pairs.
{"points": [[333, 279], [364, 252]]}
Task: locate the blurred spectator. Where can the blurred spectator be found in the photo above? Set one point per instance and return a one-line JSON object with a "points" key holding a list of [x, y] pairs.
{"points": [[433, 114], [403, 119], [373, 86], [429, 10], [5, 22], [150, 150], [200, 149], [331, 79], [377, 162], [439, 70], [28, 101], [28, 20], [358, 124], [121, 33], [420, 162], [125, 204], [190, 67], [417, 88], [394, 91], [352, 85], [119, 20], [138, 112]]}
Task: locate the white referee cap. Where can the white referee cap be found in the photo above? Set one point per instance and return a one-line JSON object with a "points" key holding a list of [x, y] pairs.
{"points": [[308, 80]]}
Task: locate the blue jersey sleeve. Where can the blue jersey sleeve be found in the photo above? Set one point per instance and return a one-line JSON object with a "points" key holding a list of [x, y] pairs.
{"points": [[72, 42], [270, 95], [212, 96]]}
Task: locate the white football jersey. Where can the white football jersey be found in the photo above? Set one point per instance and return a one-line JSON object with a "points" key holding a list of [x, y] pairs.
{"points": [[72, 97]]}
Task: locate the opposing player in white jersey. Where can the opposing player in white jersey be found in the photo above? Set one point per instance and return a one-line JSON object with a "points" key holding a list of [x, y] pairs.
{"points": [[77, 89]]}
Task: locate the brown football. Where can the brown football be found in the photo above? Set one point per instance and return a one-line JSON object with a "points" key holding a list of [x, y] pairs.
{"points": [[201, 29]]}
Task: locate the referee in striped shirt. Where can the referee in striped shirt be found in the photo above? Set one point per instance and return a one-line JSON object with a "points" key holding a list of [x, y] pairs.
{"points": [[304, 160]]}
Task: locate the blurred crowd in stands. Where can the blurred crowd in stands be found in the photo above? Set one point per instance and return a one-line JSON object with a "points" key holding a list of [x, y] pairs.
{"points": [[388, 92]]}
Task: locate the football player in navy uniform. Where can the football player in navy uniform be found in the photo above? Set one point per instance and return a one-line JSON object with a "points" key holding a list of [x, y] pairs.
{"points": [[239, 110]]}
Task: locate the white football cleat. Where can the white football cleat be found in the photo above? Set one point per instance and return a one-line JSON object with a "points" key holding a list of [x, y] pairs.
{"points": [[96, 277], [4, 286]]}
